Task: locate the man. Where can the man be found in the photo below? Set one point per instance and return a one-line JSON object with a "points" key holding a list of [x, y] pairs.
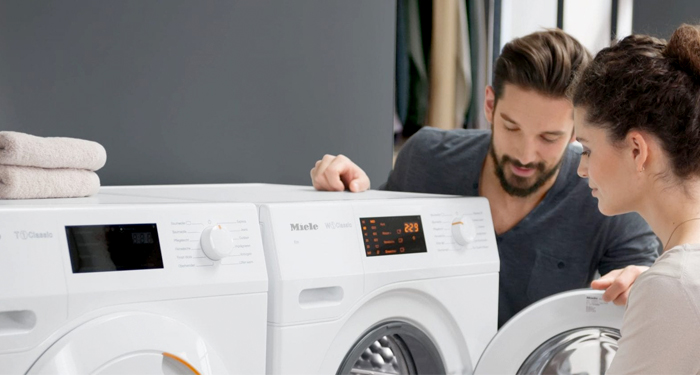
{"points": [[551, 236]]}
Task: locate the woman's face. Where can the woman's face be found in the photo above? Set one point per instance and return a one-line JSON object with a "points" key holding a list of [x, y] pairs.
{"points": [[610, 170]]}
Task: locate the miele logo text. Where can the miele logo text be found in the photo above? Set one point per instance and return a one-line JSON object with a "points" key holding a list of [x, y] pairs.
{"points": [[309, 226]]}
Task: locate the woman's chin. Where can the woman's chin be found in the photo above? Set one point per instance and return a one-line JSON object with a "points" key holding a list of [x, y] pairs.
{"points": [[607, 210]]}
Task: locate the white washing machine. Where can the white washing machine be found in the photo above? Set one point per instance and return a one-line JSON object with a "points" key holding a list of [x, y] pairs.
{"points": [[121, 285], [337, 306]]}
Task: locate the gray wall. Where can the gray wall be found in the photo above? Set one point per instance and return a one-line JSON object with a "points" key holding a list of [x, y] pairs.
{"points": [[661, 18], [184, 91]]}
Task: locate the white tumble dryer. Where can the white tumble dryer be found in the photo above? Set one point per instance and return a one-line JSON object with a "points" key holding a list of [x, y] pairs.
{"points": [[125, 285], [346, 297]]}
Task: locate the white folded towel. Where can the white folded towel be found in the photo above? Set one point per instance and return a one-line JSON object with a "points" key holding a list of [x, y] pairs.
{"points": [[52, 152], [29, 183]]}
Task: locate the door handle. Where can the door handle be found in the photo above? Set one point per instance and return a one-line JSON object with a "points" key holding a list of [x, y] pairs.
{"points": [[16, 322]]}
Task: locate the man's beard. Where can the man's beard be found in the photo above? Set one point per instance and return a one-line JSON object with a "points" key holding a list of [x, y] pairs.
{"points": [[518, 186]]}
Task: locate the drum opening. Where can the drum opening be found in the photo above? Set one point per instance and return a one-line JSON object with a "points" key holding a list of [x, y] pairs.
{"points": [[396, 348]]}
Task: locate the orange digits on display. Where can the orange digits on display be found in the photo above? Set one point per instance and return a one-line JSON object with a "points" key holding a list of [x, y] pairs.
{"points": [[410, 227]]}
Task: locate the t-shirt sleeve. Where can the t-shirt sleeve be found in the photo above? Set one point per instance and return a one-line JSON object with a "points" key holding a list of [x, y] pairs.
{"points": [[411, 161], [628, 241], [655, 337]]}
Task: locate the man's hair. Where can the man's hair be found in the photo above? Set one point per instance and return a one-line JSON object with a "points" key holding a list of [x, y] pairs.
{"points": [[545, 62]]}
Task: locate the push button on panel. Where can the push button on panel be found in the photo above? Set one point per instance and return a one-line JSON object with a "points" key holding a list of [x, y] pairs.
{"points": [[216, 242]]}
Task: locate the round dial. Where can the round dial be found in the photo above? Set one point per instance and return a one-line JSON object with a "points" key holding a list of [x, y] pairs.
{"points": [[463, 230], [216, 242]]}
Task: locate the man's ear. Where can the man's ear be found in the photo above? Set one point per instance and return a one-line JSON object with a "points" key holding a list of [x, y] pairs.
{"points": [[489, 104]]}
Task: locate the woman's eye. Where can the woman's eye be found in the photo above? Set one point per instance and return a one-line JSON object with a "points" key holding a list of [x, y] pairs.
{"points": [[549, 140], [586, 153]]}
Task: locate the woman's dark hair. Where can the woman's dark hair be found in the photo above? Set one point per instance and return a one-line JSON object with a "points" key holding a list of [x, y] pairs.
{"points": [[646, 84], [545, 62]]}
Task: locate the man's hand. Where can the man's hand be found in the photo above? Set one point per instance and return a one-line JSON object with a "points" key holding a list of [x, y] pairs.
{"points": [[617, 283], [337, 173]]}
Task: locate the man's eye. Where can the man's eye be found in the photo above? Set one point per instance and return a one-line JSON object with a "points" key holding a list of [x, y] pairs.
{"points": [[549, 140], [586, 153], [510, 129]]}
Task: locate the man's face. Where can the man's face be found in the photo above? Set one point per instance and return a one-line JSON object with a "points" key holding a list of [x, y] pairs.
{"points": [[530, 135]]}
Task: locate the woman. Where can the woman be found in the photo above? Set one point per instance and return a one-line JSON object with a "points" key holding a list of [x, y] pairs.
{"points": [[637, 114]]}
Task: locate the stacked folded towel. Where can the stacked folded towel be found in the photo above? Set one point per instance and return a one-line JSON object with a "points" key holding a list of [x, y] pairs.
{"points": [[36, 167]]}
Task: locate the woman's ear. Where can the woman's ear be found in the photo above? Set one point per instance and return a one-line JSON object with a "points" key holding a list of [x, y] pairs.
{"points": [[640, 147]]}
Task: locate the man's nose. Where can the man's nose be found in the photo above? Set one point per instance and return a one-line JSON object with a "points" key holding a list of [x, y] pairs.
{"points": [[527, 154]]}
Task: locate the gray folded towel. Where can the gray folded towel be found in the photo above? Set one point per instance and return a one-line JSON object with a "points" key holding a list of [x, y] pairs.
{"points": [[29, 182], [52, 152]]}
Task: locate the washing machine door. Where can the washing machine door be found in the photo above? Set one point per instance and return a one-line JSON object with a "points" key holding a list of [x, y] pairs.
{"points": [[130, 343], [568, 333]]}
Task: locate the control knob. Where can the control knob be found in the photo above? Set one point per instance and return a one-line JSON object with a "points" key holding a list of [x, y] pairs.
{"points": [[463, 230], [216, 242]]}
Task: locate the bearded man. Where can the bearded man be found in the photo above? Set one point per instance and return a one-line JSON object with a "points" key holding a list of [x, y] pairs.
{"points": [[550, 235]]}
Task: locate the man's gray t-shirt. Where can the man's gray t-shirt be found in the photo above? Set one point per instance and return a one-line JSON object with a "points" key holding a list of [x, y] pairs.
{"points": [[558, 246]]}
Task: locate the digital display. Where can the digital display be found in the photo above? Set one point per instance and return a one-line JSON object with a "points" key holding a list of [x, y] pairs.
{"points": [[392, 235], [104, 248]]}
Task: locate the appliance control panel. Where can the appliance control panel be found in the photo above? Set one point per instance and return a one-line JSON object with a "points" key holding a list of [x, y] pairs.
{"points": [[132, 247], [435, 233], [327, 239]]}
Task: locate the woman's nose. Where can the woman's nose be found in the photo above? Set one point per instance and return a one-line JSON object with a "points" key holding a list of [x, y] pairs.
{"points": [[582, 168]]}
